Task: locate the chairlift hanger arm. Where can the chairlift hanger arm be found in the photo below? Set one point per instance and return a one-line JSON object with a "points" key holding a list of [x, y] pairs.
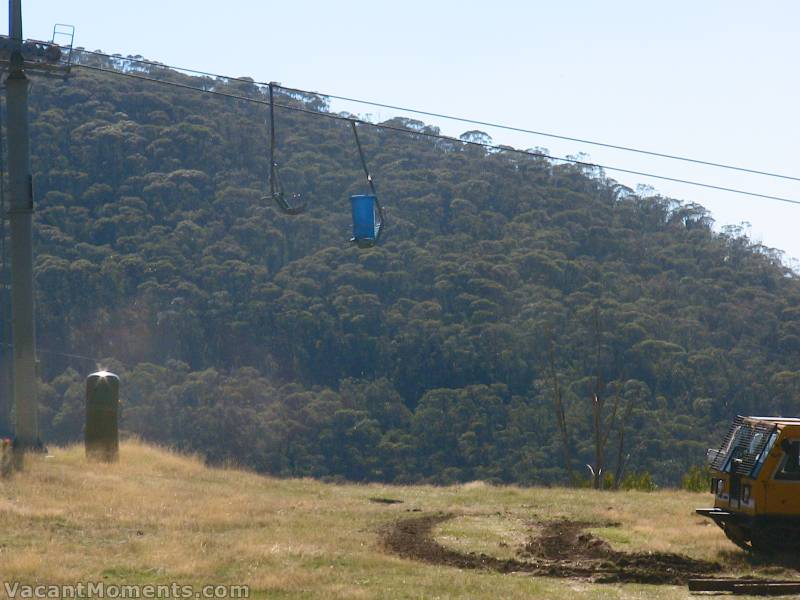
{"points": [[363, 160], [271, 142], [275, 185]]}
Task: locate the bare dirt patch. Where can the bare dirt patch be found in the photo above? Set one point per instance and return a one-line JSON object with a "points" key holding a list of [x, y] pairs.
{"points": [[561, 549], [569, 541]]}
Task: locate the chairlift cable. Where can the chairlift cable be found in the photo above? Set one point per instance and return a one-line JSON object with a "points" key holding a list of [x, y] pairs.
{"points": [[459, 119], [550, 135], [383, 126], [62, 354]]}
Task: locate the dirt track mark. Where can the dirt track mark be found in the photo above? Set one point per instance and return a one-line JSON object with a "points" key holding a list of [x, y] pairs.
{"points": [[568, 541], [563, 550]]}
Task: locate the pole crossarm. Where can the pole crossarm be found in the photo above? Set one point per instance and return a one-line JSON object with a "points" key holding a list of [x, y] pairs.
{"points": [[34, 55]]}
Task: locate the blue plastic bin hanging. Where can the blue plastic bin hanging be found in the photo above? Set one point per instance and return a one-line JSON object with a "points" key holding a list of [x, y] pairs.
{"points": [[366, 220], [366, 209]]}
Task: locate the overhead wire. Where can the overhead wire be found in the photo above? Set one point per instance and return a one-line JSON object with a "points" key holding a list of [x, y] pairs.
{"points": [[553, 135], [456, 118], [427, 134], [62, 354]]}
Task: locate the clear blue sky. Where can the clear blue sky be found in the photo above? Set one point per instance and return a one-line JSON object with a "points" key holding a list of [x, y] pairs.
{"points": [[716, 80]]}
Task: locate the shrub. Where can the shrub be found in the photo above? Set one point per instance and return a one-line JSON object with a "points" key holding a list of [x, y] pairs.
{"points": [[642, 482], [696, 479]]}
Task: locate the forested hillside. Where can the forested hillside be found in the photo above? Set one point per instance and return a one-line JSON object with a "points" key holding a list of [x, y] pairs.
{"points": [[504, 283]]}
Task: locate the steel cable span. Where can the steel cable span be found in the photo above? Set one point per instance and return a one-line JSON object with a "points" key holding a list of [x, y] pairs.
{"points": [[416, 111], [427, 134]]}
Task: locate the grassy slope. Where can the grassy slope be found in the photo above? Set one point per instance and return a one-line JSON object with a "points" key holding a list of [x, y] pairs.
{"points": [[157, 517]]}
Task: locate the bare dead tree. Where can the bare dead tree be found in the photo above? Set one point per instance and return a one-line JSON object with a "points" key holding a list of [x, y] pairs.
{"points": [[603, 426], [558, 405], [598, 401], [633, 396], [622, 459]]}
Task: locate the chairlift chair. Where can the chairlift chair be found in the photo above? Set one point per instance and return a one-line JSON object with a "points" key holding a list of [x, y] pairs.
{"points": [[276, 191], [366, 210]]}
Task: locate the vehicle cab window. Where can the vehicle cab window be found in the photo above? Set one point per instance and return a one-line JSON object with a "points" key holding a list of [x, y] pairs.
{"points": [[789, 469]]}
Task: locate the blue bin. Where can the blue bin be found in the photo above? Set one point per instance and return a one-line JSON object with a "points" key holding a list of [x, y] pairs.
{"points": [[366, 220]]}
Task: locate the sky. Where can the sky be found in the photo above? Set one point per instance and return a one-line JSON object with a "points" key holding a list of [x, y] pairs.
{"points": [[713, 80]]}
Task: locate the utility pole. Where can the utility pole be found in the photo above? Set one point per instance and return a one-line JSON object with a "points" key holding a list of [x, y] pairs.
{"points": [[20, 220]]}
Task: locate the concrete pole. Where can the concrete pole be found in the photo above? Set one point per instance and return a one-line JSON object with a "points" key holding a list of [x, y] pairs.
{"points": [[21, 216], [101, 436]]}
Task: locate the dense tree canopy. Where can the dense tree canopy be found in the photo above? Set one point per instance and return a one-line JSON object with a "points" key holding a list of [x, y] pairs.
{"points": [[250, 335]]}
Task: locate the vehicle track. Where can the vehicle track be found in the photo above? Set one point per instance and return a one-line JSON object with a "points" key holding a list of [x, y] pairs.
{"points": [[563, 549]]}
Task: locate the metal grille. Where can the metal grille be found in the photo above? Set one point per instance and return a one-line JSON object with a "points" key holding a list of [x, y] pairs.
{"points": [[745, 441], [719, 458]]}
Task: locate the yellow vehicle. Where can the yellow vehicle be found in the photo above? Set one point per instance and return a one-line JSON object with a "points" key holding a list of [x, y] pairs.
{"points": [[755, 479]]}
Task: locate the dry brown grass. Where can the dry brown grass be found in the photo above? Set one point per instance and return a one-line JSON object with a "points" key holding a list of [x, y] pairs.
{"points": [[158, 517]]}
